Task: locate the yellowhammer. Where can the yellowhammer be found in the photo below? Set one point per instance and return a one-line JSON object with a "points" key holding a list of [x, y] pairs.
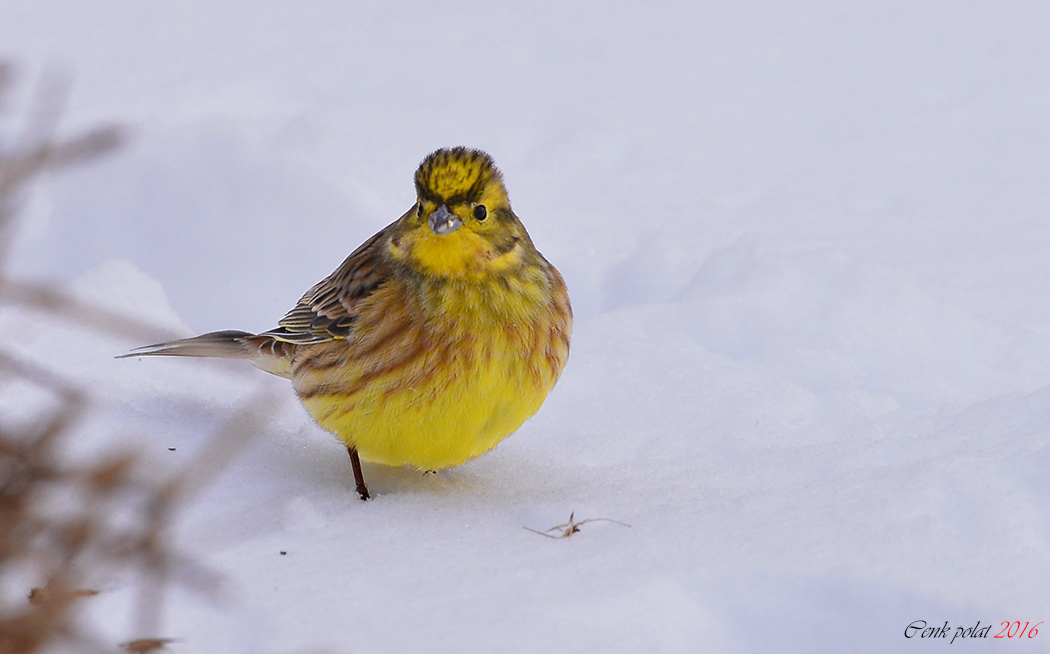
{"points": [[435, 340]]}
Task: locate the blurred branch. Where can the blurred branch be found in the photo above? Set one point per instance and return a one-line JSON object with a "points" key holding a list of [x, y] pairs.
{"points": [[37, 151], [49, 299], [66, 548], [20, 166]]}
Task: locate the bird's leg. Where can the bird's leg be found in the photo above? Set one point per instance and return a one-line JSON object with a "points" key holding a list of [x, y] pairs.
{"points": [[359, 477]]}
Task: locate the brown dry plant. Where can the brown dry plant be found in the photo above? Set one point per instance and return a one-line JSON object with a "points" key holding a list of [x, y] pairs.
{"points": [[69, 547]]}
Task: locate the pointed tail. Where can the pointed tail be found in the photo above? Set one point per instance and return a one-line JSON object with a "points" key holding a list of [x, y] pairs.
{"points": [[226, 344]]}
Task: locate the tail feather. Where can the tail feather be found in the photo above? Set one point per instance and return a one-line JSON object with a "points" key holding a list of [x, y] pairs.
{"points": [[227, 344]]}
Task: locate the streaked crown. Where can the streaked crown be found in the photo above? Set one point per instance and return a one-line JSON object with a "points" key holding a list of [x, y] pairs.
{"points": [[457, 176]]}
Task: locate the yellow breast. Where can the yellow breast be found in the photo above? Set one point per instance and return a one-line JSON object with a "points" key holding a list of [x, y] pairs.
{"points": [[435, 383]]}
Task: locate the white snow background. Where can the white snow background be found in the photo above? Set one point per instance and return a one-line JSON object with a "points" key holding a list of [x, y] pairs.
{"points": [[808, 251]]}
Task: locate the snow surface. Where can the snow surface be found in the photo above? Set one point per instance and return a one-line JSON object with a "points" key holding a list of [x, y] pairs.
{"points": [[807, 247]]}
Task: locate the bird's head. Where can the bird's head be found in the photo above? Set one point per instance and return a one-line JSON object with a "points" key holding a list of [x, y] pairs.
{"points": [[462, 225]]}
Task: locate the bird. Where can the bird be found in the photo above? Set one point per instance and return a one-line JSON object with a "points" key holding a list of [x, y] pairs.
{"points": [[433, 341]]}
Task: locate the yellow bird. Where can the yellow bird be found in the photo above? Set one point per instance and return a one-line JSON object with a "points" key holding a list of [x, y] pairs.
{"points": [[434, 340]]}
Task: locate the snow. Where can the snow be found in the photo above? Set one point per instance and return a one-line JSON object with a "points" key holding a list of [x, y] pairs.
{"points": [[807, 251]]}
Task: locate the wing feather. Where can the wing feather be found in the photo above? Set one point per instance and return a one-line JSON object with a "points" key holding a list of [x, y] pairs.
{"points": [[328, 310]]}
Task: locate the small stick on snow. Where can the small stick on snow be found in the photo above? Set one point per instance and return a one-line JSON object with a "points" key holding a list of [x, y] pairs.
{"points": [[571, 527]]}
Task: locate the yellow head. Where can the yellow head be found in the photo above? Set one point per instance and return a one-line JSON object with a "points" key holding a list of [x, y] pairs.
{"points": [[461, 226]]}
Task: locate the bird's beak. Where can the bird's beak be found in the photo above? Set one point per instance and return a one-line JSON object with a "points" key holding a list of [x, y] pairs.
{"points": [[442, 221]]}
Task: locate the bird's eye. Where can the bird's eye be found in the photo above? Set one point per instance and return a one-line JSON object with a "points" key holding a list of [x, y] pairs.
{"points": [[480, 212], [419, 209]]}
